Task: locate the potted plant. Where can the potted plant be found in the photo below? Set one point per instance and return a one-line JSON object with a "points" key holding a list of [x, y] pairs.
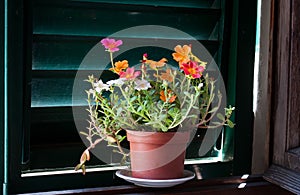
{"points": [[157, 105]]}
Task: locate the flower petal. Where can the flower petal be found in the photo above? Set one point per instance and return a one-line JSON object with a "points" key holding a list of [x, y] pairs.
{"points": [[111, 44]]}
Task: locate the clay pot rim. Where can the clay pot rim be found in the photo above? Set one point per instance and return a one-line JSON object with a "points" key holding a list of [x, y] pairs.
{"points": [[152, 137]]}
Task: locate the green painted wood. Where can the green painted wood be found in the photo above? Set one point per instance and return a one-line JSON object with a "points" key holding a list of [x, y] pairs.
{"points": [[61, 52], [1, 95], [66, 181], [55, 88], [156, 3], [98, 20], [55, 125], [40, 156], [14, 68], [226, 139], [40, 121], [102, 179], [246, 32], [229, 72], [52, 92], [27, 44], [52, 89], [67, 52]]}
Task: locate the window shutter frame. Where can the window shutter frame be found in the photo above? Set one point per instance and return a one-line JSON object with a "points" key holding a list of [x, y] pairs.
{"points": [[285, 125], [2, 94], [44, 38], [16, 115]]}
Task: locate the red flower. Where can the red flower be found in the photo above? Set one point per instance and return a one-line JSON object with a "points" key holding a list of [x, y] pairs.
{"points": [[192, 69]]}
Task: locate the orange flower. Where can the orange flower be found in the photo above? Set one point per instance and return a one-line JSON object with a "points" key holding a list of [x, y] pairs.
{"points": [[167, 76], [164, 98], [154, 64], [120, 66], [160, 63], [182, 54]]}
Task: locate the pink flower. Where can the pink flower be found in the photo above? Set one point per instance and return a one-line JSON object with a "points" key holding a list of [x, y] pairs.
{"points": [[129, 74], [192, 69], [111, 45]]}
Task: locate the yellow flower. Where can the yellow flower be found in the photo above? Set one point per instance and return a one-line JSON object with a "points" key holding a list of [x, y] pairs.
{"points": [[120, 66], [182, 54]]}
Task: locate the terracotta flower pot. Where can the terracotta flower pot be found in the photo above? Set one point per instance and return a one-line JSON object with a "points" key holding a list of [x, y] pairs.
{"points": [[157, 155]]}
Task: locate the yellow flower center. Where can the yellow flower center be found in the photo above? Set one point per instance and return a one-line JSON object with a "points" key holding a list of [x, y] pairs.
{"points": [[192, 70]]}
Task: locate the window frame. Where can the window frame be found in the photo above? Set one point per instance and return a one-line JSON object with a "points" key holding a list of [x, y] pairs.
{"points": [[285, 88], [242, 60]]}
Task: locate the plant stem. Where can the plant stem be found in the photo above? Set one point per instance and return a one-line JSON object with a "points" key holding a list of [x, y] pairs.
{"points": [[112, 60]]}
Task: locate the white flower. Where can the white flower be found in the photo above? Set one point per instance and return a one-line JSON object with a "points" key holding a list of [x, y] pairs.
{"points": [[142, 85], [126, 89], [99, 86], [92, 91], [200, 85], [119, 81]]}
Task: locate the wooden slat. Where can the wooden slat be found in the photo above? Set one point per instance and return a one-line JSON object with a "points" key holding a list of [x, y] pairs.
{"points": [[261, 128], [2, 48], [52, 133], [52, 114], [55, 88], [60, 44], [60, 53], [98, 20], [56, 125], [286, 85], [242, 77], [67, 52], [280, 83], [285, 170], [294, 79], [283, 177], [292, 159], [52, 92], [168, 3], [208, 187]]}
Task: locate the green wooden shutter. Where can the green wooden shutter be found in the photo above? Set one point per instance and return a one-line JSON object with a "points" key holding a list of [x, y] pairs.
{"points": [[49, 126], [64, 31], [2, 93]]}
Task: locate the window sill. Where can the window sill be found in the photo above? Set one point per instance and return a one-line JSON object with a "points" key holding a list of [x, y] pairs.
{"points": [[229, 185]]}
